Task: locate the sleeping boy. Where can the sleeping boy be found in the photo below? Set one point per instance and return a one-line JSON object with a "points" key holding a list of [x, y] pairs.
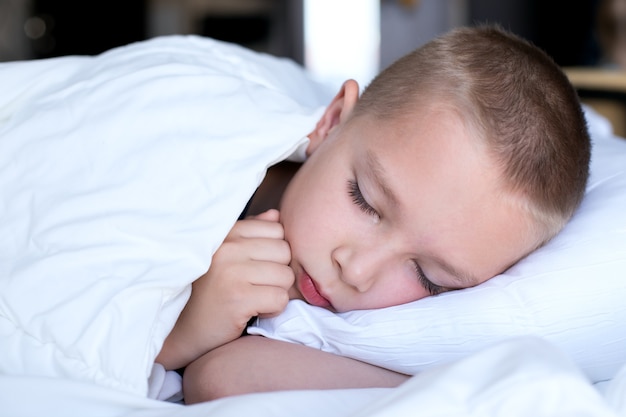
{"points": [[456, 161]]}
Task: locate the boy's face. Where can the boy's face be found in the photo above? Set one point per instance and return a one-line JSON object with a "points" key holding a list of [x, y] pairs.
{"points": [[386, 213]]}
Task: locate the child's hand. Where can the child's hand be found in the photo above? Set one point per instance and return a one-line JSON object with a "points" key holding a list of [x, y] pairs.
{"points": [[249, 276]]}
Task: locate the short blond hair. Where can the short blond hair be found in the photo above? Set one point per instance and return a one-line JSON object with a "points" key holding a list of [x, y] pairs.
{"points": [[518, 99]]}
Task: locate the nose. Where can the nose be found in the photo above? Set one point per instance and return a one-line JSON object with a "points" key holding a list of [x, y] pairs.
{"points": [[359, 266]]}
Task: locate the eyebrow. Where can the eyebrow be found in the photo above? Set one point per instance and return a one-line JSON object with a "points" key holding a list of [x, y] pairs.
{"points": [[464, 278], [379, 176]]}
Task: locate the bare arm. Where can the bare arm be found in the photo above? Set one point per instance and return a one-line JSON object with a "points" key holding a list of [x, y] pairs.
{"points": [[257, 364]]}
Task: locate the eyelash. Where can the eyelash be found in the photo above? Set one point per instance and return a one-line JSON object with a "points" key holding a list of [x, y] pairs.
{"points": [[431, 288], [357, 198]]}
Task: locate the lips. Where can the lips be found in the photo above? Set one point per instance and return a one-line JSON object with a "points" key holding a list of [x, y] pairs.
{"points": [[310, 292]]}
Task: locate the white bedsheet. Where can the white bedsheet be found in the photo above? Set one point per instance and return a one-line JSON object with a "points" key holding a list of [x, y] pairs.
{"points": [[518, 378]]}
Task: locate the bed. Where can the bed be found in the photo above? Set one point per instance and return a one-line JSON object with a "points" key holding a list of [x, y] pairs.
{"points": [[113, 195]]}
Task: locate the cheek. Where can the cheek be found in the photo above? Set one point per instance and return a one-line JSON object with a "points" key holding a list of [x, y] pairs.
{"points": [[404, 290], [308, 220], [396, 286], [388, 298], [317, 206]]}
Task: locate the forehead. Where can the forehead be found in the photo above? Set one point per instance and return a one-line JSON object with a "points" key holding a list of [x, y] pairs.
{"points": [[432, 137]]}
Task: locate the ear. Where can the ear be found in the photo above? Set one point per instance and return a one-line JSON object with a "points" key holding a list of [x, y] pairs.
{"points": [[337, 112]]}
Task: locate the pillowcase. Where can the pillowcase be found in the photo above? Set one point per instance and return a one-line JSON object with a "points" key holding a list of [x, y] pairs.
{"points": [[120, 175], [571, 292]]}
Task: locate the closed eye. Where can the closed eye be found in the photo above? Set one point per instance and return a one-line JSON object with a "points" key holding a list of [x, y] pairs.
{"points": [[357, 198], [429, 286]]}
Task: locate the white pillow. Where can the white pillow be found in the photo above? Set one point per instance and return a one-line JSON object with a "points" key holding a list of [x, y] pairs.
{"points": [[572, 292], [119, 177]]}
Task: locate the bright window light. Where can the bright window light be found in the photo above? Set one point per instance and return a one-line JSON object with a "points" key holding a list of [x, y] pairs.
{"points": [[342, 39]]}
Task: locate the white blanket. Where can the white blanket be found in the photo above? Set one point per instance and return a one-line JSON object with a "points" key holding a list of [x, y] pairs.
{"points": [[119, 177]]}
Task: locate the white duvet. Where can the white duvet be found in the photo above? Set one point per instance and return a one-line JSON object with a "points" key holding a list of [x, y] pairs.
{"points": [[121, 174]]}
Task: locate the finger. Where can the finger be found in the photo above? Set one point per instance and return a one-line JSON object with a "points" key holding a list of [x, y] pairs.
{"points": [[269, 301], [271, 215], [253, 249], [242, 273], [243, 290], [252, 274], [271, 274], [252, 228]]}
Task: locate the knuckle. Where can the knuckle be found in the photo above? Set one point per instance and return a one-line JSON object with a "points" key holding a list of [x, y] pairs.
{"points": [[281, 300], [289, 276], [275, 229], [283, 252]]}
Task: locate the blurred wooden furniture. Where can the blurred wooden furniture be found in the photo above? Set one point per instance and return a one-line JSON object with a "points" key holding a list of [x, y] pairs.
{"points": [[604, 90]]}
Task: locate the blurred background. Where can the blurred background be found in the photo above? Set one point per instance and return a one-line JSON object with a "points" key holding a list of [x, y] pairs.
{"points": [[334, 39]]}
